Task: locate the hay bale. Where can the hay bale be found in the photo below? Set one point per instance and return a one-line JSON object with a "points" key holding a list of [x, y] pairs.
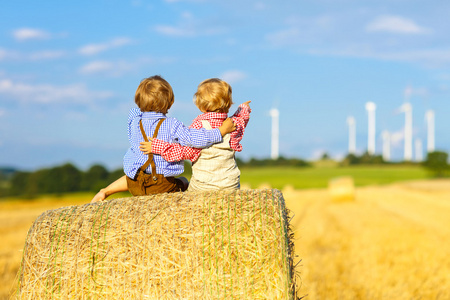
{"points": [[210, 245], [341, 189]]}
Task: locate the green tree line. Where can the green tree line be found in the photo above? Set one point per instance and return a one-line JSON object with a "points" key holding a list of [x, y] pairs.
{"points": [[267, 162], [68, 178], [59, 180]]}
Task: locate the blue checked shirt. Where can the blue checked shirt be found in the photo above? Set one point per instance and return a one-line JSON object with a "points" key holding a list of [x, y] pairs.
{"points": [[172, 131]]}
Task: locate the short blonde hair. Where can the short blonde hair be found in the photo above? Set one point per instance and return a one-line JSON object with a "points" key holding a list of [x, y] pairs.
{"points": [[154, 94], [213, 95]]}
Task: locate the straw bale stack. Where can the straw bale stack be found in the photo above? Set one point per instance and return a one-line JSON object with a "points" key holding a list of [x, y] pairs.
{"points": [[206, 245], [341, 189]]}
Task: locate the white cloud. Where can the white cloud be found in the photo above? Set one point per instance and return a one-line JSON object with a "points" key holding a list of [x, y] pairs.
{"points": [[108, 67], [42, 55], [233, 76], [46, 93], [24, 34], [189, 27], [3, 54], [337, 35], [187, 31], [308, 31], [7, 54], [96, 66], [415, 91], [47, 55], [175, 31], [284, 37], [97, 48], [395, 24], [118, 68], [427, 57]]}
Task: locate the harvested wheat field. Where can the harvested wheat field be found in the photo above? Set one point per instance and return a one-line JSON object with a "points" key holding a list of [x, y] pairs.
{"points": [[16, 218], [389, 242]]}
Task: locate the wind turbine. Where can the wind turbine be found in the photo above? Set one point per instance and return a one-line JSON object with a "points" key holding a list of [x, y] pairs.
{"points": [[351, 135], [429, 116], [386, 145], [419, 150], [407, 109], [275, 114], [371, 107]]}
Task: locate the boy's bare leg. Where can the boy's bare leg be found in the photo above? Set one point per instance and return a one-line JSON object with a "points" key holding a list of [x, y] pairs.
{"points": [[120, 185]]}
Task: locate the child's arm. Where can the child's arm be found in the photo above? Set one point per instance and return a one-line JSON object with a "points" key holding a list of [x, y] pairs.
{"points": [[227, 126], [171, 152], [240, 118], [120, 185], [202, 138]]}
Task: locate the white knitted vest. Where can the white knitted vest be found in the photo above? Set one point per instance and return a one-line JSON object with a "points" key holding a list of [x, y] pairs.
{"points": [[216, 167]]}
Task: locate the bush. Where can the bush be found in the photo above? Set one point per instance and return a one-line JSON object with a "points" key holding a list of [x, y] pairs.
{"points": [[57, 180], [365, 159], [267, 162], [437, 163], [94, 177]]}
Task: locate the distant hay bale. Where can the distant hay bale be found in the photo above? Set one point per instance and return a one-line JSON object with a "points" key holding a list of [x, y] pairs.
{"points": [[246, 186], [192, 245], [265, 186], [289, 188], [341, 189]]}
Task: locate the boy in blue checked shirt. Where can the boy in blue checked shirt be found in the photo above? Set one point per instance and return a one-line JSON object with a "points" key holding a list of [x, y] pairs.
{"points": [[154, 97]]}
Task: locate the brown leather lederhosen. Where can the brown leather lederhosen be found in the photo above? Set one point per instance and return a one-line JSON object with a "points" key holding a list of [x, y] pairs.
{"points": [[149, 184]]}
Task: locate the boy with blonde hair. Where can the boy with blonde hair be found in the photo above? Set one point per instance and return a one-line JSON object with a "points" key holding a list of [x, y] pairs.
{"points": [[213, 168], [154, 97]]}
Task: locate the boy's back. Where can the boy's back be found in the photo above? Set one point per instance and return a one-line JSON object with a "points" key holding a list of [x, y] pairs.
{"points": [[172, 131]]}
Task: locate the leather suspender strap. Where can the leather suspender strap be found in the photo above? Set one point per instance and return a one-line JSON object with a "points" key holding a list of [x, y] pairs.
{"points": [[156, 129], [150, 156]]}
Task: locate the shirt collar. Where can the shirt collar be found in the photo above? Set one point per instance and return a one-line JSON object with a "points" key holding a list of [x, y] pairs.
{"points": [[213, 115], [152, 115]]}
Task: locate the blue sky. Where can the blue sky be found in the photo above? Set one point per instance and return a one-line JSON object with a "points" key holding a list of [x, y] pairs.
{"points": [[69, 71]]}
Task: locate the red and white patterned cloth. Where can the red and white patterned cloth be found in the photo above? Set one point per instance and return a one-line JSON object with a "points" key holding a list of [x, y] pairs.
{"points": [[172, 152]]}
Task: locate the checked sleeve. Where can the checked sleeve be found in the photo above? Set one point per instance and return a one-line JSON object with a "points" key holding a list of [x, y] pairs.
{"points": [[172, 152], [240, 118], [197, 138]]}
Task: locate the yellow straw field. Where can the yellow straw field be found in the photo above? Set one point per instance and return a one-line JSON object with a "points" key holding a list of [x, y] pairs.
{"points": [[388, 242], [391, 242]]}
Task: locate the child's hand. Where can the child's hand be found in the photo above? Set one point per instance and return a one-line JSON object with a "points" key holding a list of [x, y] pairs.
{"points": [[227, 126], [247, 103], [146, 147]]}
